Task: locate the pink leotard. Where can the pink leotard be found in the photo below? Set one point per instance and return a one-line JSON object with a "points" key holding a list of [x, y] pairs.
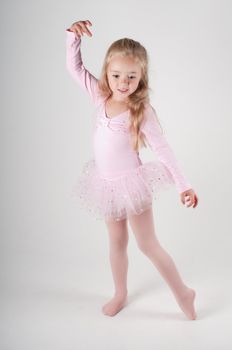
{"points": [[113, 151]]}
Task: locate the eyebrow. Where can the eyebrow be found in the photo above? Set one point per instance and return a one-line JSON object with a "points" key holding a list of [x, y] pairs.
{"points": [[117, 71]]}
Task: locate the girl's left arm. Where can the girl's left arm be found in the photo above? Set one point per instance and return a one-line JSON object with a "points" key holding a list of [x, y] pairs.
{"points": [[161, 147]]}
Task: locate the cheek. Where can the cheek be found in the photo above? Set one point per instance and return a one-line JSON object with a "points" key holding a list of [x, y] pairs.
{"points": [[135, 83], [110, 82]]}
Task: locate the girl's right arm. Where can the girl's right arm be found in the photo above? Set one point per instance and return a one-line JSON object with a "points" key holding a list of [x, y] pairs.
{"points": [[74, 62]]}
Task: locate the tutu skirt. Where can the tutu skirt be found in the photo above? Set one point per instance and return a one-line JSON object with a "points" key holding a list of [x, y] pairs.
{"points": [[128, 194]]}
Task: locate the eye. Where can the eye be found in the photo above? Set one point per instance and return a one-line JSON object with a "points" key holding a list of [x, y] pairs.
{"points": [[132, 77], [116, 75]]}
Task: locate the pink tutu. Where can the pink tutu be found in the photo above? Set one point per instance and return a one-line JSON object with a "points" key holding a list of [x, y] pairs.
{"points": [[127, 194]]}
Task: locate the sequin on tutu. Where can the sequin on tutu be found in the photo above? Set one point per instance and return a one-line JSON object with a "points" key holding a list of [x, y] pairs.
{"points": [[128, 194]]}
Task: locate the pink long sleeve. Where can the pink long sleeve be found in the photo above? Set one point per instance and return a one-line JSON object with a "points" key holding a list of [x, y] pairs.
{"points": [[77, 69], [150, 127], [158, 143]]}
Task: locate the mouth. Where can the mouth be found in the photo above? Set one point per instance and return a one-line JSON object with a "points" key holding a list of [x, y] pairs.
{"points": [[123, 91]]}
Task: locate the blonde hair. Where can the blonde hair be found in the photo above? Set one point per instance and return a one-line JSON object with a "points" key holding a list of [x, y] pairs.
{"points": [[139, 98]]}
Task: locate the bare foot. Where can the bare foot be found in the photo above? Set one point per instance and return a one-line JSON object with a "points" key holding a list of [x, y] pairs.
{"points": [[186, 303], [114, 305]]}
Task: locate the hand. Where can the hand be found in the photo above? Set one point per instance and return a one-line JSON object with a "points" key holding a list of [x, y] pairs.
{"points": [[80, 27], [189, 197]]}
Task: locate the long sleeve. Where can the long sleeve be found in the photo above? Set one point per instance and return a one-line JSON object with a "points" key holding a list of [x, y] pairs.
{"points": [[77, 69], [158, 143]]}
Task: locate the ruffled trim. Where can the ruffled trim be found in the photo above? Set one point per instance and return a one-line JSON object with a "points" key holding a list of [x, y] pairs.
{"points": [[128, 194]]}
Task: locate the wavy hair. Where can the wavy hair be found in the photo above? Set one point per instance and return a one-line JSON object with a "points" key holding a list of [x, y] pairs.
{"points": [[138, 99]]}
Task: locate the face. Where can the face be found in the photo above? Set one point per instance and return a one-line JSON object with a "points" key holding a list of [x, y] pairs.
{"points": [[123, 74]]}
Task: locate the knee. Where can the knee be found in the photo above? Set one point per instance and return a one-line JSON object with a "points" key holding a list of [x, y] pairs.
{"points": [[119, 242], [118, 235]]}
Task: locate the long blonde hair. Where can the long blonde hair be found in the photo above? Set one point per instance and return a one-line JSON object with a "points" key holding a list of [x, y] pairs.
{"points": [[139, 98]]}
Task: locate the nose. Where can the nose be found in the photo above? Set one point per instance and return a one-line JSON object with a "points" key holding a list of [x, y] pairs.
{"points": [[125, 80]]}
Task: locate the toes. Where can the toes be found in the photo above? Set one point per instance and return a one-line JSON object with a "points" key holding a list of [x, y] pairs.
{"points": [[112, 308]]}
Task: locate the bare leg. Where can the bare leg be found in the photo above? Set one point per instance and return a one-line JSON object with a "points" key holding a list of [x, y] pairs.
{"points": [[143, 229], [118, 241]]}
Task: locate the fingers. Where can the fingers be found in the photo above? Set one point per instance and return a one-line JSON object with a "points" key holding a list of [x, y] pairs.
{"points": [[189, 199], [192, 201], [182, 200], [88, 22], [84, 28], [195, 202], [80, 27]]}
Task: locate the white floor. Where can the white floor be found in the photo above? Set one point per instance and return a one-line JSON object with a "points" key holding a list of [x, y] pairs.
{"points": [[71, 318]]}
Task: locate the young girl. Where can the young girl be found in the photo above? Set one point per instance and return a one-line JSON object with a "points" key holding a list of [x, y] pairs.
{"points": [[116, 186]]}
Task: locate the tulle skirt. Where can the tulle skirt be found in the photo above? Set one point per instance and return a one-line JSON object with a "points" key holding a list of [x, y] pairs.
{"points": [[128, 194]]}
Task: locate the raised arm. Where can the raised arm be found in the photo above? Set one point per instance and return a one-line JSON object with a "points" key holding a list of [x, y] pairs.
{"points": [[76, 67], [158, 143]]}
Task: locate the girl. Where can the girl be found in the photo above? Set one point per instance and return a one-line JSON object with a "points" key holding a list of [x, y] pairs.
{"points": [[115, 185]]}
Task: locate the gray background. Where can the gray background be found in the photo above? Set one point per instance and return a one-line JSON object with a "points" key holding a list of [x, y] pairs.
{"points": [[55, 271]]}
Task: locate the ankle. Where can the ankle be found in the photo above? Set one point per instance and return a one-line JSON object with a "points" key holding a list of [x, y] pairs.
{"points": [[185, 292], [121, 293]]}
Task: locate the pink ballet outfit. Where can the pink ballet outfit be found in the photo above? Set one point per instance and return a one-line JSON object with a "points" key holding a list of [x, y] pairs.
{"points": [[115, 183]]}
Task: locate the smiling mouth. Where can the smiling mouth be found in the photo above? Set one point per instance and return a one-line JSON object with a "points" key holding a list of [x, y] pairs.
{"points": [[123, 91]]}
